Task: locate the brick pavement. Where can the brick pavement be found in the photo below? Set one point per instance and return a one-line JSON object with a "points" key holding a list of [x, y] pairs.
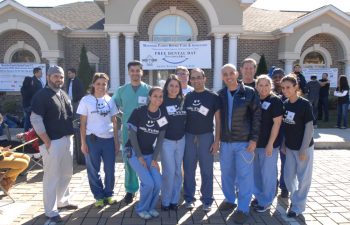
{"points": [[328, 202]]}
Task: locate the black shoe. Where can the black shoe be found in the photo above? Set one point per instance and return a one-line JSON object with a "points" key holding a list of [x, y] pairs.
{"points": [[292, 214], [227, 206], [56, 219], [173, 206], [240, 217], [284, 193], [165, 208], [129, 197], [254, 203], [69, 207]]}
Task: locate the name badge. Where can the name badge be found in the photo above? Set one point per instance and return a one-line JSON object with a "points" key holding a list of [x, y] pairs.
{"points": [[203, 110], [162, 121], [265, 105], [171, 109], [290, 115], [142, 100]]}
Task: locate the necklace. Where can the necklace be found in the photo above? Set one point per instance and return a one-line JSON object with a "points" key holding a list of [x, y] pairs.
{"points": [[158, 117]]}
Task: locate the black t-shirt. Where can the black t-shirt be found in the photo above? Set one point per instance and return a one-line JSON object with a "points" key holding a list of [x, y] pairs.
{"points": [[147, 127], [324, 91], [271, 107], [176, 118], [296, 115], [250, 84], [200, 108], [56, 111]]}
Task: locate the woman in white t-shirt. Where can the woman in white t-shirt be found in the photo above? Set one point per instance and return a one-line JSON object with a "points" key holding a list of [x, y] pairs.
{"points": [[99, 138]]}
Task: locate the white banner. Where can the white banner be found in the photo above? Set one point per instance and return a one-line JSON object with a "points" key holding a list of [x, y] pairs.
{"points": [[332, 74], [169, 55], [13, 74]]}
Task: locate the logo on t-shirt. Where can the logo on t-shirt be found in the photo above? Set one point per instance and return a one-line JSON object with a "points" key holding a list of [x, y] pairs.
{"points": [[196, 103], [194, 107], [289, 117], [150, 123], [102, 107]]}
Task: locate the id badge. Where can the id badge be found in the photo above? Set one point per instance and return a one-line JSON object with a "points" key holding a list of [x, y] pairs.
{"points": [[142, 100], [162, 121], [203, 110], [265, 105], [171, 109], [290, 116]]}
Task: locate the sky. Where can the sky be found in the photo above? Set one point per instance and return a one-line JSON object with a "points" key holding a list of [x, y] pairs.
{"points": [[289, 5]]}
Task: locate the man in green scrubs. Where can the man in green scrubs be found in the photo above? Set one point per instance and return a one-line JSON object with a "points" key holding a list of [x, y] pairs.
{"points": [[128, 97]]}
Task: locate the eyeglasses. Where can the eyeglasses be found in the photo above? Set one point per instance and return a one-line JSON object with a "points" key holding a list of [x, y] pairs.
{"points": [[181, 74]]}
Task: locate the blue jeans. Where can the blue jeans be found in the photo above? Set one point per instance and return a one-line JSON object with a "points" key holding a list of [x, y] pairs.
{"points": [[283, 161], [27, 124], [323, 103], [171, 156], [265, 173], [197, 149], [236, 165], [150, 179], [298, 176], [342, 114], [100, 148]]}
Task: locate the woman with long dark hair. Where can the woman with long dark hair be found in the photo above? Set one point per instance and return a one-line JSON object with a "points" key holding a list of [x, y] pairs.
{"points": [[99, 138], [174, 143], [342, 93], [298, 144], [147, 125]]}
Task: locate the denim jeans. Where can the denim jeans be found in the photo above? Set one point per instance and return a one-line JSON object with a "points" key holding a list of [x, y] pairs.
{"points": [[198, 150], [150, 180], [342, 114], [265, 173], [282, 185], [298, 176], [323, 105], [236, 165], [171, 156], [100, 148], [26, 119]]}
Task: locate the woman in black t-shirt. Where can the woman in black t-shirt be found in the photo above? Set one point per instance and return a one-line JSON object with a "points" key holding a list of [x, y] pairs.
{"points": [[174, 143], [342, 93], [298, 144], [147, 125], [266, 153]]}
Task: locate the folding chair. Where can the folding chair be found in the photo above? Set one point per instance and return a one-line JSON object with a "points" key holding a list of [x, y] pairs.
{"points": [[3, 173]]}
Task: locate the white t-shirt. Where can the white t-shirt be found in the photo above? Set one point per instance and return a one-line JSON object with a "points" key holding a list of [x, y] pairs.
{"points": [[99, 112], [188, 89]]}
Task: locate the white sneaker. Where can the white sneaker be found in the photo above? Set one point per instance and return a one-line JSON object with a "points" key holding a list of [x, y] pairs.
{"points": [[189, 205], [153, 213], [144, 215], [206, 207]]}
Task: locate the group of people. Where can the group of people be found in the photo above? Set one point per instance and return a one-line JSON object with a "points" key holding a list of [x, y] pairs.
{"points": [[249, 122]]}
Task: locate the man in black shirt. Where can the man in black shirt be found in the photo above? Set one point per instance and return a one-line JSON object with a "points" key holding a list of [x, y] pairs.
{"points": [[300, 77], [323, 99], [74, 89], [52, 121], [30, 86], [202, 106]]}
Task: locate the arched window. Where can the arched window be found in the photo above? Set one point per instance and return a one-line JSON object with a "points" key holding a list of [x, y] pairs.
{"points": [[23, 56], [172, 28], [314, 58]]}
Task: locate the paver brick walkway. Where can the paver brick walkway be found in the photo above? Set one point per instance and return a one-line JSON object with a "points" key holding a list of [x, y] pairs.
{"points": [[328, 202]]}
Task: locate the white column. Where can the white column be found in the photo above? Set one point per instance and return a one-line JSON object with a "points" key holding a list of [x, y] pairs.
{"points": [[52, 61], [129, 52], [288, 65], [232, 50], [218, 60], [347, 70], [114, 61]]}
